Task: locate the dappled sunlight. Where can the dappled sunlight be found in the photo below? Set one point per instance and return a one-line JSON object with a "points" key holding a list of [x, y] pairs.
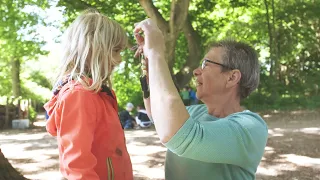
{"points": [[274, 133], [299, 112], [137, 144], [148, 173], [293, 148], [268, 171], [139, 159], [311, 130], [147, 154], [302, 160], [48, 175], [144, 150], [267, 116], [19, 153], [35, 153], [280, 131], [23, 136], [285, 163], [276, 169], [140, 133], [40, 123], [280, 53], [31, 160], [269, 150], [29, 167]]}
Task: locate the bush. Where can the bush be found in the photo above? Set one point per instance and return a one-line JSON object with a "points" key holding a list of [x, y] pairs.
{"points": [[32, 114], [258, 102]]}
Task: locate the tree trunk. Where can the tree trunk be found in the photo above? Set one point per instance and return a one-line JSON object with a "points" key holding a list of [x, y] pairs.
{"points": [[194, 57], [7, 172], [276, 54], [6, 122], [16, 89], [270, 32], [272, 50], [276, 31], [15, 69], [278, 65], [178, 22]]}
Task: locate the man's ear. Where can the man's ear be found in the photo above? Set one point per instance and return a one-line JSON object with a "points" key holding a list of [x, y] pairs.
{"points": [[233, 78]]}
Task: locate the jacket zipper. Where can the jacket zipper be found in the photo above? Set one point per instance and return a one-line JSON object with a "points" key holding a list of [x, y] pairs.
{"points": [[110, 169]]}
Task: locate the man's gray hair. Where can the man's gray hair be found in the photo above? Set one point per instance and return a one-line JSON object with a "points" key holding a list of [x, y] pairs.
{"points": [[241, 56]]}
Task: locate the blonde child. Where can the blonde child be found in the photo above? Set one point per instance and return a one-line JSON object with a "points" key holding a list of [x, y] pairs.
{"points": [[83, 112]]}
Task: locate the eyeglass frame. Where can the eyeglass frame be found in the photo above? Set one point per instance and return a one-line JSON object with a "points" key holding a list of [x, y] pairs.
{"points": [[203, 64]]}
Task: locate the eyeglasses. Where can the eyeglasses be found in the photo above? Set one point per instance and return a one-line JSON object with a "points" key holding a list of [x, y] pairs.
{"points": [[203, 65]]}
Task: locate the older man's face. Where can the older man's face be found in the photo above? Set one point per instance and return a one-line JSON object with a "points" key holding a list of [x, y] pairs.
{"points": [[210, 80]]}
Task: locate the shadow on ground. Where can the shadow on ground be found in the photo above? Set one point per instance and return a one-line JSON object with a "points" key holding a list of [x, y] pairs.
{"points": [[292, 152], [293, 149]]}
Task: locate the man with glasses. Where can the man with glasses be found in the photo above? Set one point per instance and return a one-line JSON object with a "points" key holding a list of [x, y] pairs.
{"points": [[218, 139]]}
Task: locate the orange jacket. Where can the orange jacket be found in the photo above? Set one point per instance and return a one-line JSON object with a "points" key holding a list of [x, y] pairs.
{"points": [[90, 138]]}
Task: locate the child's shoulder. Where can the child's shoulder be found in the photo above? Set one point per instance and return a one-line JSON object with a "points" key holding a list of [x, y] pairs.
{"points": [[76, 91]]}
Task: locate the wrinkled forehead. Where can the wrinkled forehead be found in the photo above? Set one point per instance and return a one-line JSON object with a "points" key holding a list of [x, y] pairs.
{"points": [[215, 54]]}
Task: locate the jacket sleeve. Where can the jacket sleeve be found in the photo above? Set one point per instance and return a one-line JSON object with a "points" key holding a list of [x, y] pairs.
{"points": [[76, 133]]}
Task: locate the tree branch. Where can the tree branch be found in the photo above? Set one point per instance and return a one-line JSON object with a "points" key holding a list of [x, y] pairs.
{"points": [[178, 15], [78, 5], [154, 14], [195, 53], [194, 44]]}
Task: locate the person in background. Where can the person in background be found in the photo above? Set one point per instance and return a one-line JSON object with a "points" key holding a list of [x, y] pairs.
{"points": [[193, 97], [83, 111], [185, 96], [127, 121], [142, 118], [46, 115]]}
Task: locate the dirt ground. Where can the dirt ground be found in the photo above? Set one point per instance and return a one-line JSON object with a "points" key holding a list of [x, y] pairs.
{"points": [[292, 152]]}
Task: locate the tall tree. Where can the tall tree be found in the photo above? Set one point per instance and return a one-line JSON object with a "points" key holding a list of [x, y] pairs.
{"points": [[18, 43], [285, 33], [173, 21], [178, 21], [19, 39]]}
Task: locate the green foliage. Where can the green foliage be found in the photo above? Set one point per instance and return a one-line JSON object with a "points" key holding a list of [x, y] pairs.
{"points": [[258, 102], [32, 114], [181, 53], [19, 42], [293, 61], [126, 85], [289, 49], [39, 78], [126, 76]]}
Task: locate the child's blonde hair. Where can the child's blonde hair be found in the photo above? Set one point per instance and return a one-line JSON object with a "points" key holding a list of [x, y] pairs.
{"points": [[90, 42]]}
